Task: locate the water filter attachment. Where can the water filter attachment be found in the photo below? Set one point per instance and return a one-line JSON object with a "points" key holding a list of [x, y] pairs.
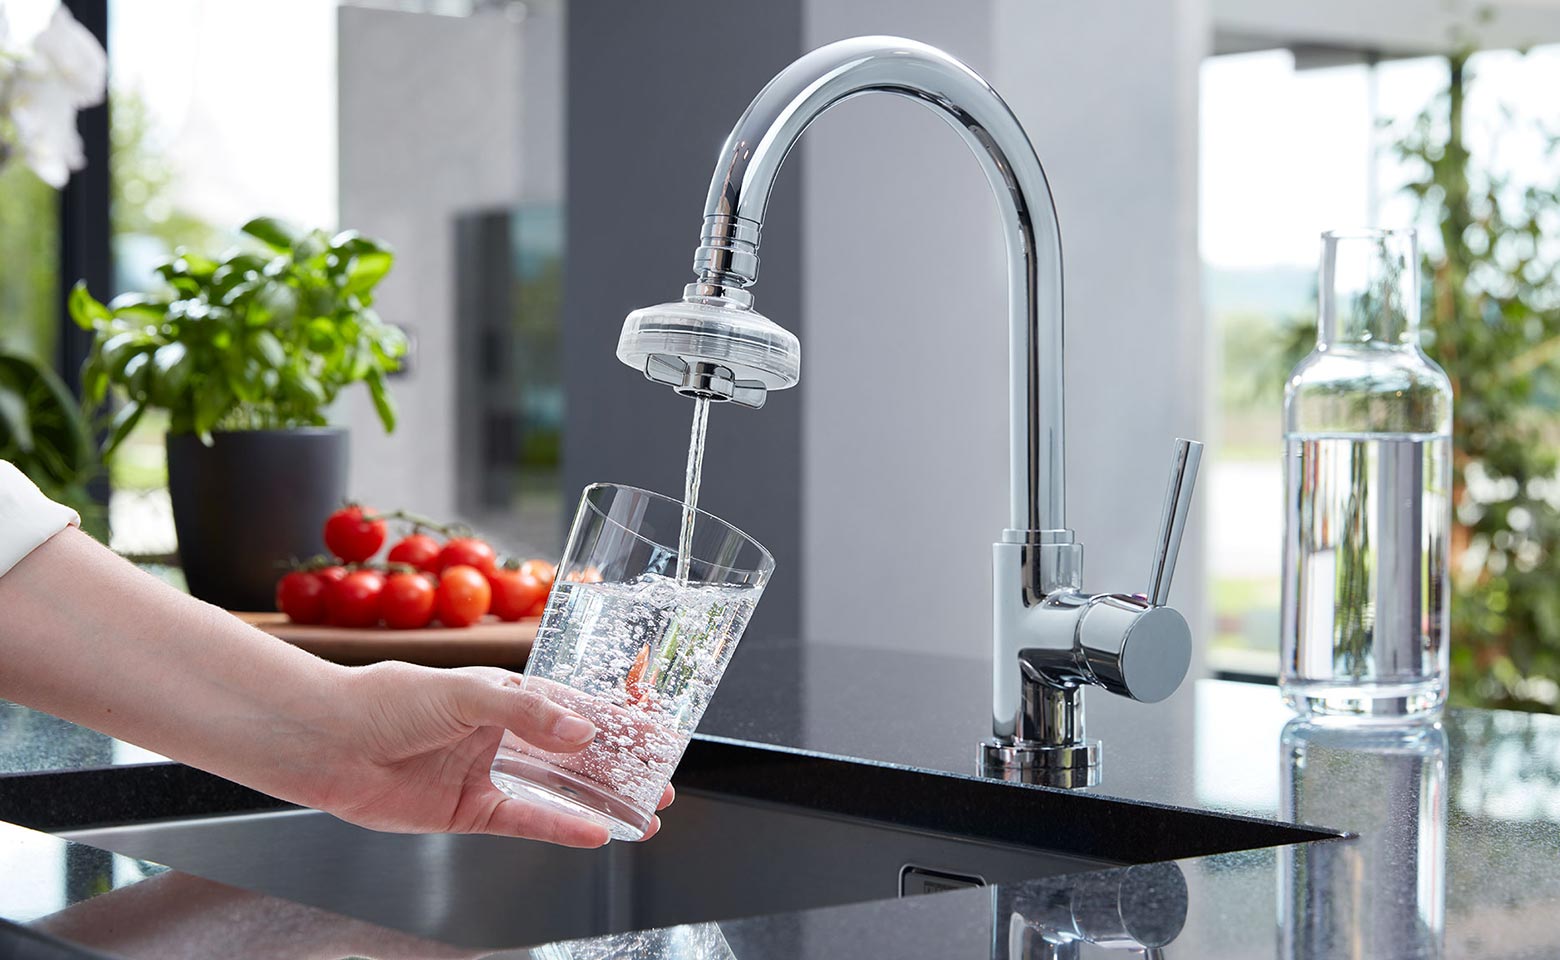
{"points": [[711, 349]]}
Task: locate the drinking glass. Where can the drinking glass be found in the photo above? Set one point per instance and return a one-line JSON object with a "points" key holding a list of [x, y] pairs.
{"points": [[628, 643]]}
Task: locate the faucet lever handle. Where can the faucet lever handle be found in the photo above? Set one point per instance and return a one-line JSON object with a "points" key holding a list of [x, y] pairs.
{"points": [[1172, 521]]}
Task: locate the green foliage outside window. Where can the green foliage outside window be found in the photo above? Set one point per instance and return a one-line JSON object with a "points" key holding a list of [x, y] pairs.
{"points": [[29, 262], [1493, 312], [1492, 321]]}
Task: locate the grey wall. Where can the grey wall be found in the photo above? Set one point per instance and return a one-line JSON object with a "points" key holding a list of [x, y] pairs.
{"points": [[1108, 92], [905, 357], [652, 93], [429, 119], [880, 482], [543, 103], [905, 419]]}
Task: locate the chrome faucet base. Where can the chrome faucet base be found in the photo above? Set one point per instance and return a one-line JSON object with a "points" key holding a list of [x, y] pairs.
{"points": [[1027, 761]]}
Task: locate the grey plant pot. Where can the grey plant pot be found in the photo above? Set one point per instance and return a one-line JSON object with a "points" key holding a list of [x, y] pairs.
{"points": [[250, 501]]}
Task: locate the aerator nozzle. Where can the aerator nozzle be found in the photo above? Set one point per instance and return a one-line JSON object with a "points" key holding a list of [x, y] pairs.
{"points": [[711, 348]]}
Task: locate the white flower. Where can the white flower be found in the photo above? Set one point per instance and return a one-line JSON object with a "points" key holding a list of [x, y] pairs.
{"points": [[45, 119], [65, 71], [71, 55]]}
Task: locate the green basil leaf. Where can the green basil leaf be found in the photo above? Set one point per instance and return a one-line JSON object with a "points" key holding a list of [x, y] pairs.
{"points": [[269, 348], [272, 232], [94, 382], [119, 428], [311, 246], [197, 266], [351, 242], [213, 400], [135, 374], [366, 270], [246, 390], [235, 293], [305, 387], [84, 308], [170, 373], [117, 350], [279, 301], [146, 314], [383, 404]]}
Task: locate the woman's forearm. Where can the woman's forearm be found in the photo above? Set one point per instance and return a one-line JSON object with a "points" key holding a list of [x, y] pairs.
{"points": [[88, 637]]}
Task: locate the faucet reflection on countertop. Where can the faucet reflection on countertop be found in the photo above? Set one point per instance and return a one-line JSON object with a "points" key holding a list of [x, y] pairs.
{"points": [[1050, 638], [1381, 894], [1140, 908]]}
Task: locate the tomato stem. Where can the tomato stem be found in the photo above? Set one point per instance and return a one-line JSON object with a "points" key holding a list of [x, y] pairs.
{"points": [[420, 522]]}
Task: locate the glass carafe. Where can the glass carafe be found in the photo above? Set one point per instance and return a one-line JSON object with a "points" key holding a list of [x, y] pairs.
{"points": [[1367, 488]]}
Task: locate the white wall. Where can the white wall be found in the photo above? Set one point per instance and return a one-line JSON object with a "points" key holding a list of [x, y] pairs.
{"points": [[905, 453], [430, 118]]}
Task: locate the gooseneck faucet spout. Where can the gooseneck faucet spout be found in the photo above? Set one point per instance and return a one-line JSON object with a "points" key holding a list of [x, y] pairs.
{"points": [[714, 344], [727, 259]]}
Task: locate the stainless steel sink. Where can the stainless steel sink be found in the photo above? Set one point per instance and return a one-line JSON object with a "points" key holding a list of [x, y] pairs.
{"points": [[754, 831]]}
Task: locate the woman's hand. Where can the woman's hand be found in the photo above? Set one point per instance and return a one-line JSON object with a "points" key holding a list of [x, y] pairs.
{"points": [[89, 638], [412, 748]]}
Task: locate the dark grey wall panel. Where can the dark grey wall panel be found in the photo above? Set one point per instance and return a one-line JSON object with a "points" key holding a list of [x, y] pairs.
{"points": [[653, 89]]}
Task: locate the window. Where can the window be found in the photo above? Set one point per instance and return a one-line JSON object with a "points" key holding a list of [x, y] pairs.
{"points": [[1287, 151], [209, 130]]}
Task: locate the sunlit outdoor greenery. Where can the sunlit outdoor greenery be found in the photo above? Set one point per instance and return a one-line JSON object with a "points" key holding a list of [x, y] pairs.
{"points": [[29, 250], [1491, 279]]}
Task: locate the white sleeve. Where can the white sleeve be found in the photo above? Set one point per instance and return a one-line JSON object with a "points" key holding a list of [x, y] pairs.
{"points": [[27, 517]]}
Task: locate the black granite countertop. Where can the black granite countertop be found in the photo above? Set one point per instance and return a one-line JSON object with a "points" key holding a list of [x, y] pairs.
{"points": [[1454, 846]]}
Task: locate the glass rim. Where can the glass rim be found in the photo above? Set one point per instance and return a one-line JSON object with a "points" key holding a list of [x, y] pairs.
{"points": [[766, 563], [1370, 233]]}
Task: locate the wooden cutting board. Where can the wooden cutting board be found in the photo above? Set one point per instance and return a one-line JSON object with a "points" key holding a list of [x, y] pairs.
{"points": [[489, 643]]}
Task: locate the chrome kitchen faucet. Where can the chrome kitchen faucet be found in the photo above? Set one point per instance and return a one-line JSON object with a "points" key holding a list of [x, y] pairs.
{"points": [[1050, 638]]}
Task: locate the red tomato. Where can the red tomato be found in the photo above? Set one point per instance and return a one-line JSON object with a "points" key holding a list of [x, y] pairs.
{"points": [[539, 609], [588, 575], [463, 595], [330, 574], [301, 596], [469, 552], [354, 600], [352, 537], [407, 602], [417, 550], [541, 570], [515, 592]]}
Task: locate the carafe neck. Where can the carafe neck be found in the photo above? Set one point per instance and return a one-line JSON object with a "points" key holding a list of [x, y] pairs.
{"points": [[1368, 289]]}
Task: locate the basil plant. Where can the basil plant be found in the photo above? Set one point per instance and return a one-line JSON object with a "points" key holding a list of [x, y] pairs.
{"points": [[261, 340]]}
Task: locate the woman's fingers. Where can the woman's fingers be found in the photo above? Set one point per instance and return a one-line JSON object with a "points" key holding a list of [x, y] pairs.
{"points": [[502, 700], [667, 797], [512, 818]]}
